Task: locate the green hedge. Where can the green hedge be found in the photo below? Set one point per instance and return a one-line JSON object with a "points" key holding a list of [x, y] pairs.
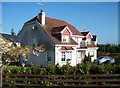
{"points": [[85, 68]]}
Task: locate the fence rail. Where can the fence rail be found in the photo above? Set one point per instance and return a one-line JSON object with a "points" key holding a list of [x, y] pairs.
{"points": [[34, 80]]}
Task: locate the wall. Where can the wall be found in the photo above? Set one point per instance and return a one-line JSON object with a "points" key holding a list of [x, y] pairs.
{"points": [[27, 35], [79, 40]]}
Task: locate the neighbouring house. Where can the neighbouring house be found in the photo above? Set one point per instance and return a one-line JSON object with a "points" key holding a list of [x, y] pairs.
{"points": [[9, 39], [62, 41]]}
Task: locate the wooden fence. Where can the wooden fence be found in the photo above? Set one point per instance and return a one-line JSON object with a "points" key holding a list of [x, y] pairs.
{"points": [[37, 80]]}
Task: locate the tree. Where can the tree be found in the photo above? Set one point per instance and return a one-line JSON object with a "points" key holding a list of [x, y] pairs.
{"points": [[12, 53], [87, 58]]}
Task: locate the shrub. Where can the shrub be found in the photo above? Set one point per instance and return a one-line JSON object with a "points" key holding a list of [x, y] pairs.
{"points": [[117, 61], [58, 69], [95, 69], [50, 69], [35, 69], [84, 68], [67, 69], [87, 58], [116, 69], [43, 71]]}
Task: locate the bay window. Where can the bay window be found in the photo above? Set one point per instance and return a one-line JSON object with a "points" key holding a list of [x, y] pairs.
{"points": [[66, 55]]}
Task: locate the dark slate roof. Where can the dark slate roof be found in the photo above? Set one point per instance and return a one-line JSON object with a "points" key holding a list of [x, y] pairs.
{"points": [[85, 33], [84, 38], [11, 38], [58, 29], [31, 20], [94, 37]]}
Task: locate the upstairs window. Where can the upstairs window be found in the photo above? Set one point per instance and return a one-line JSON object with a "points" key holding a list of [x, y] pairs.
{"points": [[76, 39], [65, 38]]}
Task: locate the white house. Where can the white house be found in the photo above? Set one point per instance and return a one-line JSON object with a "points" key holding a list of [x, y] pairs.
{"points": [[60, 39]]}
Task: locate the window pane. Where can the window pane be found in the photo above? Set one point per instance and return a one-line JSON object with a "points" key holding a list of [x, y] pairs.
{"points": [[69, 55], [65, 38], [63, 56], [48, 56]]}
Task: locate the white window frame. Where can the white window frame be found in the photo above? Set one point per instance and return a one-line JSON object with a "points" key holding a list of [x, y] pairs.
{"points": [[66, 55], [76, 39], [65, 38], [69, 55], [63, 56]]}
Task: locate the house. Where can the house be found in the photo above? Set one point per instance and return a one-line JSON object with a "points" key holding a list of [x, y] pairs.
{"points": [[62, 41], [9, 39]]}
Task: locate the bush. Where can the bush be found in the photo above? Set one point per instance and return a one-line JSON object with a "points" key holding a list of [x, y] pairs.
{"points": [[67, 69], [87, 59], [95, 69], [50, 69], [117, 61], [85, 68], [58, 69]]}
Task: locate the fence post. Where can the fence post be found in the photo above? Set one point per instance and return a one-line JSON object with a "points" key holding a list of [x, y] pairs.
{"points": [[0, 76]]}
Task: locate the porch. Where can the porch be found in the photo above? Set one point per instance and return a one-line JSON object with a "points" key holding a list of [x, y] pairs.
{"points": [[80, 55]]}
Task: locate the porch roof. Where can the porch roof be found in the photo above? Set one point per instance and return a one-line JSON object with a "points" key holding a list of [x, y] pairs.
{"points": [[66, 48]]}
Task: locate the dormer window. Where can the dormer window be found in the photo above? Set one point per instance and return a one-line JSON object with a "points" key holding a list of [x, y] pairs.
{"points": [[65, 38]]}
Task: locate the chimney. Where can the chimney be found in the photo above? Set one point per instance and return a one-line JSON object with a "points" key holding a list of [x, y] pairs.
{"points": [[41, 17]]}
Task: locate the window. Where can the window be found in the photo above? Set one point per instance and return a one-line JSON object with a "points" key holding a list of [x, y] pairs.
{"points": [[66, 55], [34, 40], [76, 39], [87, 43], [69, 55], [63, 56], [65, 38], [48, 56]]}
